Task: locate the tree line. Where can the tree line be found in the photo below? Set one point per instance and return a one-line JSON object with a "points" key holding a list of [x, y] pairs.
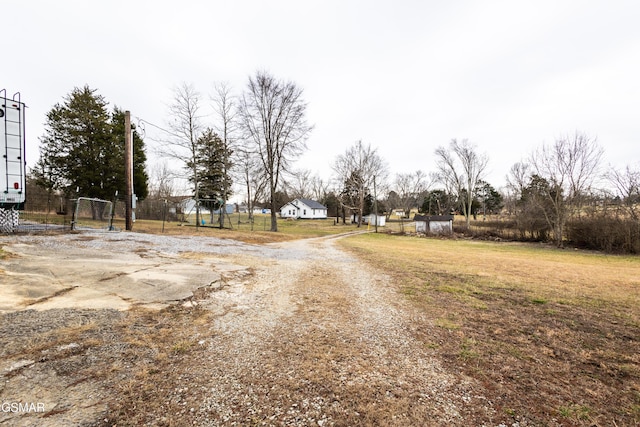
{"points": [[253, 137], [250, 142]]}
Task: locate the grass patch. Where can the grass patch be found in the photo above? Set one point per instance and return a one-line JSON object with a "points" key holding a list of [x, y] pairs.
{"points": [[468, 349], [181, 347], [527, 317], [4, 254], [575, 412], [447, 323]]}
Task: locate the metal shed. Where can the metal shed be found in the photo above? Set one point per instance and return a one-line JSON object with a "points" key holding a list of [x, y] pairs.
{"points": [[434, 224]]}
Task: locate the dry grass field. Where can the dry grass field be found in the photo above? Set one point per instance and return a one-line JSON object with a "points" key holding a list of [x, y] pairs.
{"points": [[552, 334]]}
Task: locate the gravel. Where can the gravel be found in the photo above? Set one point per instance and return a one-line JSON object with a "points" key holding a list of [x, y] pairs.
{"points": [[303, 335]]}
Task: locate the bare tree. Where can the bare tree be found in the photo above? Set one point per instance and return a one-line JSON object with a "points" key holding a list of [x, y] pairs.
{"points": [[185, 125], [299, 184], [253, 177], [225, 107], [570, 166], [460, 169], [358, 169], [408, 188], [303, 184], [319, 189], [517, 180], [162, 181], [273, 116], [627, 186]]}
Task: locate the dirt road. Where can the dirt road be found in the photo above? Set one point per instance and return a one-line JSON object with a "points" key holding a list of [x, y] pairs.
{"points": [[296, 333]]}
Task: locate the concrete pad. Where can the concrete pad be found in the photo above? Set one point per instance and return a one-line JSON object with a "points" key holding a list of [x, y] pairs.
{"points": [[77, 276], [83, 298]]}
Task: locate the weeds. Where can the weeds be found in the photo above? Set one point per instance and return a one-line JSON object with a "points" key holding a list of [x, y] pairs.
{"points": [[577, 412], [467, 349], [448, 323], [181, 347]]}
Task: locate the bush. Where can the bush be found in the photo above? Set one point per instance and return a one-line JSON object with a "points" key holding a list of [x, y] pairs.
{"points": [[609, 234]]}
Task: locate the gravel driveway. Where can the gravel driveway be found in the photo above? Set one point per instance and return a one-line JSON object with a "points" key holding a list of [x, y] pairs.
{"points": [[296, 333]]}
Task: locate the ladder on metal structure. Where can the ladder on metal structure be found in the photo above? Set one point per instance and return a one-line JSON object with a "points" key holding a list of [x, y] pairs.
{"points": [[12, 111]]}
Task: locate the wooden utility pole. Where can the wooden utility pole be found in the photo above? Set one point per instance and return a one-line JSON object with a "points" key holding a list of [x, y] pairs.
{"points": [[128, 172], [375, 202]]}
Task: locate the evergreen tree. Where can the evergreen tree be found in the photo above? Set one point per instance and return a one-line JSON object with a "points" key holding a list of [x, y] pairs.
{"points": [[489, 200], [437, 202], [77, 133], [213, 166], [82, 149]]}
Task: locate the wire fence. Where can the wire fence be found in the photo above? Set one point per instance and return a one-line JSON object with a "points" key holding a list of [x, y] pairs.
{"points": [[41, 215], [48, 213]]}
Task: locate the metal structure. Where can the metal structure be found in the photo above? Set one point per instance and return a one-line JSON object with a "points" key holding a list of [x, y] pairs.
{"points": [[12, 163], [92, 214]]}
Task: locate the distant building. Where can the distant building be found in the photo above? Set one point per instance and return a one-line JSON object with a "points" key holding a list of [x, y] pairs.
{"points": [[434, 224], [372, 219], [303, 209], [189, 206], [229, 208]]}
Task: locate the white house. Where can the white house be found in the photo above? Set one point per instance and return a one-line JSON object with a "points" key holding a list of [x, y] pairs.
{"points": [[303, 209], [434, 224]]}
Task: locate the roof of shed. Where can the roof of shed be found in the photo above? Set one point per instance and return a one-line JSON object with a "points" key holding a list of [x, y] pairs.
{"points": [[429, 218]]}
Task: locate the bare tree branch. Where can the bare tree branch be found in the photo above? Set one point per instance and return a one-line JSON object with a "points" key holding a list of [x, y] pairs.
{"points": [[570, 165], [273, 116], [357, 168], [186, 127], [627, 186], [461, 167]]}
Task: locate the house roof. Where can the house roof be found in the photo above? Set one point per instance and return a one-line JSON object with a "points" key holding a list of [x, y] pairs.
{"points": [[310, 203], [428, 218]]}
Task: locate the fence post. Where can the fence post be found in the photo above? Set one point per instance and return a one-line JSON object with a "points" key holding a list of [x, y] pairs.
{"points": [[74, 203]]}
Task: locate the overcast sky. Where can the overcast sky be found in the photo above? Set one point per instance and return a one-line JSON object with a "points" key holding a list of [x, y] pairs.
{"points": [[403, 76]]}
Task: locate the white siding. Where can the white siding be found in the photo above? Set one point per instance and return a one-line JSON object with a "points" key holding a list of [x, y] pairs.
{"points": [[298, 209]]}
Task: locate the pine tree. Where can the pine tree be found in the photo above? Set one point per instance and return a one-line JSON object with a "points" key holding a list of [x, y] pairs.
{"points": [[82, 151], [213, 166]]}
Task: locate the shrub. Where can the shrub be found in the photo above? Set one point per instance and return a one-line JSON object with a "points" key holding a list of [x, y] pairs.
{"points": [[609, 234]]}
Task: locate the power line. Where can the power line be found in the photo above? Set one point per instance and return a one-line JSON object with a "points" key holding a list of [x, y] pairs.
{"points": [[142, 122]]}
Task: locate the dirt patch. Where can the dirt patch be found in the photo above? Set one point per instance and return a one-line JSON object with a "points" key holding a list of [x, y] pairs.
{"points": [[56, 360]]}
